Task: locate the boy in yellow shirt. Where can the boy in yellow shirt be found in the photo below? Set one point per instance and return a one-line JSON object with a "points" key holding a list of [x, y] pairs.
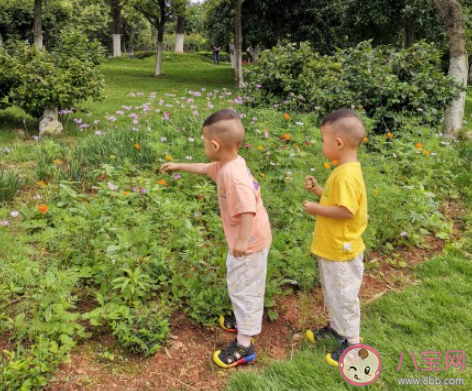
{"points": [[341, 221]]}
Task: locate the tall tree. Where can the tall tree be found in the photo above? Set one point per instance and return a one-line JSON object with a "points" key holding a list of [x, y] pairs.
{"points": [[116, 10], [157, 12], [453, 18], [38, 30]]}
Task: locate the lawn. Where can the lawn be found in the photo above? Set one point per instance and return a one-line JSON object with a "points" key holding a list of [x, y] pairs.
{"points": [[106, 261]]}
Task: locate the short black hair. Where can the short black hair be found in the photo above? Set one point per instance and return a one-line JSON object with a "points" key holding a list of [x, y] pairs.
{"points": [[222, 115], [340, 114]]}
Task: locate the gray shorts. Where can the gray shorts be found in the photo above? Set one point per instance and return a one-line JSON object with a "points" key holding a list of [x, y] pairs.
{"points": [[246, 278], [341, 282]]}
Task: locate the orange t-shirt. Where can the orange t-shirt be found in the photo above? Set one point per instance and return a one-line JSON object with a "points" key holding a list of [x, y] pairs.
{"points": [[239, 192]]}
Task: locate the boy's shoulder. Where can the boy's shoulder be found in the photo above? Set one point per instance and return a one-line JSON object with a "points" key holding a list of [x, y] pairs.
{"points": [[349, 173]]}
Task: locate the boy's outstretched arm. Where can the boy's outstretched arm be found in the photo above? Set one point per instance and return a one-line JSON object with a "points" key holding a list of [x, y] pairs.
{"points": [[335, 212], [242, 242], [194, 168]]}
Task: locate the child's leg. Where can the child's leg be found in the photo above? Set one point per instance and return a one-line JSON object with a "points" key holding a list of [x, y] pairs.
{"points": [[246, 278], [342, 282]]}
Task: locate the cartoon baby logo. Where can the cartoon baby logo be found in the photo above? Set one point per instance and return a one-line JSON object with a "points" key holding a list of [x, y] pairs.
{"points": [[360, 365]]}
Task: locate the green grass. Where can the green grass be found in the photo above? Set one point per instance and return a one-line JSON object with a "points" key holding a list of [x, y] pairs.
{"points": [[435, 314]]}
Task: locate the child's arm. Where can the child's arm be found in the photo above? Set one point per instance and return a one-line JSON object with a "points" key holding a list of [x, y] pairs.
{"points": [[335, 212], [311, 184], [242, 242], [194, 168]]}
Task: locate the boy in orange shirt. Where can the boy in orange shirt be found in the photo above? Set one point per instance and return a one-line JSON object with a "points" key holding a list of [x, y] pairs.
{"points": [[247, 230], [341, 221]]}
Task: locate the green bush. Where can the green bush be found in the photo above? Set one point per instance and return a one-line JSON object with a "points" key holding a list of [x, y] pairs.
{"points": [[388, 84], [36, 79]]}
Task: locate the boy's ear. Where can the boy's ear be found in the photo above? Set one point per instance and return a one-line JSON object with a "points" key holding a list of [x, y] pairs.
{"points": [[339, 142], [216, 145]]}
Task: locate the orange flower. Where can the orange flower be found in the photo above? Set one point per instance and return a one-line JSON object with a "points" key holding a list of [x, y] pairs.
{"points": [[126, 192], [335, 162], [366, 139], [41, 184], [137, 146], [168, 157], [43, 208], [287, 137], [419, 146], [327, 165], [426, 153], [162, 182], [57, 162], [286, 116], [389, 135], [260, 147]]}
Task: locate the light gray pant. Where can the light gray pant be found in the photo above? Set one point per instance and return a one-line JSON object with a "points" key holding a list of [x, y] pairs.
{"points": [[246, 278], [341, 282]]}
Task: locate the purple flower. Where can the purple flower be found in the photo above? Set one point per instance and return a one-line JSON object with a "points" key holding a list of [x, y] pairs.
{"points": [[112, 119], [14, 214], [166, 115], [197, 214], [258, 86], [97, 121], [135, 189], [4, 223], [135, 122], [176, 177], [98, 133], [163, 139], [266, 134], [143, 191], [404, 234], [119, 112]]}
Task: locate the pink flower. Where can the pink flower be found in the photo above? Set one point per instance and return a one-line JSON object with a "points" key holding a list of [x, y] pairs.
{"points": [[4, 223], [143, 191], [15, 214]]}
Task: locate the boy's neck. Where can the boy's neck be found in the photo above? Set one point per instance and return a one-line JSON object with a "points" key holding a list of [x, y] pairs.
{"points": [[227, 158], [348, 157]]}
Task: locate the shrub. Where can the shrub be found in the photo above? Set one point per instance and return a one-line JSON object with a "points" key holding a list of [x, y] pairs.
{"points": [[36, 79], [386, 83]]}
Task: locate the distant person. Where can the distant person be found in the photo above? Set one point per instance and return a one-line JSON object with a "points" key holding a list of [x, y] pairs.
{"points": [[250, 58], [247, 229], [216, 54]]}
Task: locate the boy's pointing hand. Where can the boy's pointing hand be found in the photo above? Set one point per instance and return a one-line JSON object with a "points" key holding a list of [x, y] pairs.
{"points": [[168, 167]]}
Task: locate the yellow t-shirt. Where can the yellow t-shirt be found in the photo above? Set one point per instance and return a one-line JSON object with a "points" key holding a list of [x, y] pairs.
{"points": [[340, 239]]}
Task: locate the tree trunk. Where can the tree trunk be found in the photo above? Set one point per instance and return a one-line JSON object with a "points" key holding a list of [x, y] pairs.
{"points": [[453, 17], [179, 42], [408, 32], [160, 48], [231, 56], [116, 9], [238, 45], [38, 30]]}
